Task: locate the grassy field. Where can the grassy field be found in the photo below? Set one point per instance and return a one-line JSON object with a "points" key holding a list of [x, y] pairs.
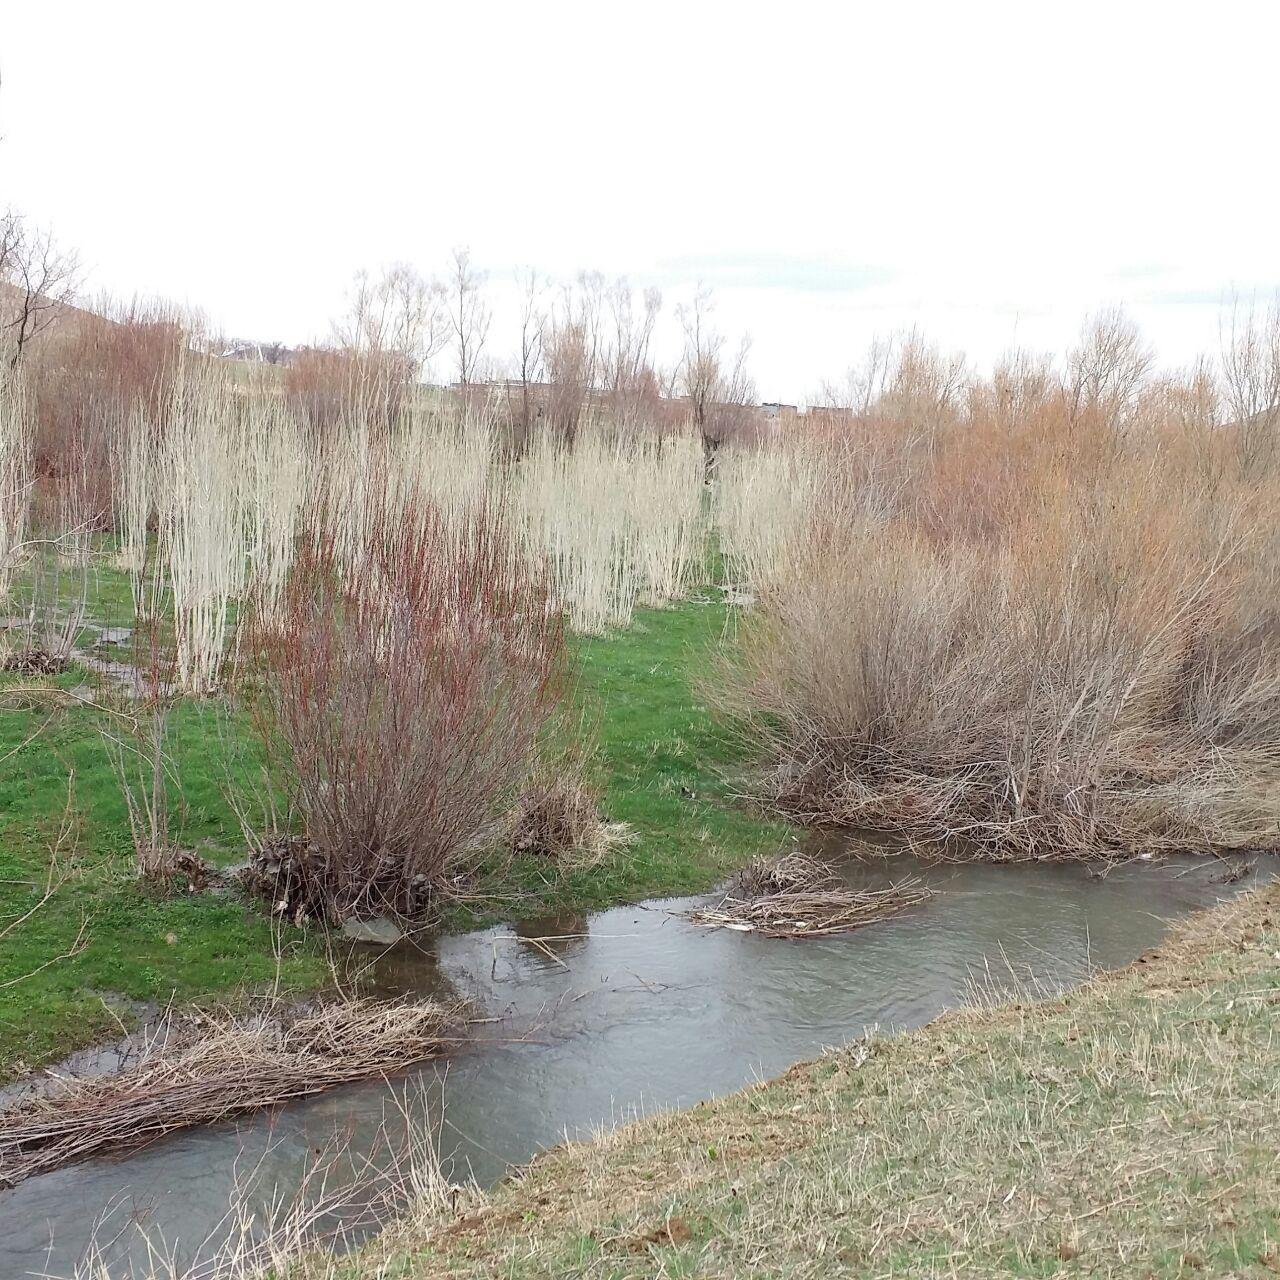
{"points": [[668, 772], [1128, 1129], [70, 970]]}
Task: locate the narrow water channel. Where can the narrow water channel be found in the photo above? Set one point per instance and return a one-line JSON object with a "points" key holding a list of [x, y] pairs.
{"points": [[626, 1012]]}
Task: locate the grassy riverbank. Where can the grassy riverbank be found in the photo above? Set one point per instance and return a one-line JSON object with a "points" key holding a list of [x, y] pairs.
{"points": [[667, 769], [79, 960], [1128, 1129]]}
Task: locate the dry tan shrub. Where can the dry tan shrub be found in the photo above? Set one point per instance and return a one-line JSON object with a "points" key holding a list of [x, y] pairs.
{"points": [[559, 814], [1051, 634]]}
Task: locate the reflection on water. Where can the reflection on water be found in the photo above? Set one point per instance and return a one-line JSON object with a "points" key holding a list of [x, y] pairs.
{"points": [[632, 1010]]}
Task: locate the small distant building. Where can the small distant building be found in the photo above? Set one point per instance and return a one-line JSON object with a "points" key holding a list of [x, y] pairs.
{"points": [[828, 413], [773, 410]]}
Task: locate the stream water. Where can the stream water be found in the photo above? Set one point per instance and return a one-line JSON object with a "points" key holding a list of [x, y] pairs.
{"points": [[604, 1018]]}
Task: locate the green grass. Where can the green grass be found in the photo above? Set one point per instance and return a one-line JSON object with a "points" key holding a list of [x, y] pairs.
{"points": [[1127, 1129], [101, 941], [668, 770]]}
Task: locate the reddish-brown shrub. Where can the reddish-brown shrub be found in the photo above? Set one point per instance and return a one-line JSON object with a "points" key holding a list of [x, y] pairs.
{"points": [[403, 702], [88, 371], [1045, 629], [329, 386]]}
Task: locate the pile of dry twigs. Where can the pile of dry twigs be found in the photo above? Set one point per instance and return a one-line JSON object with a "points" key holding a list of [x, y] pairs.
{"points": [[199, 1071], [795, 896], [34, 662]]}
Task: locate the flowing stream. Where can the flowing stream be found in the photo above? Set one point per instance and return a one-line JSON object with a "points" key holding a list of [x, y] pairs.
{"points": [[601, 1019]]}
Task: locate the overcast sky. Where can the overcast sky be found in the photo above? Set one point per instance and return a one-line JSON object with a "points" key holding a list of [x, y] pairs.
{"points": [[989, 172]]}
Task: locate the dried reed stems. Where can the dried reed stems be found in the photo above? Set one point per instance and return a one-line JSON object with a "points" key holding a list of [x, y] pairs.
{"points": [[763, 498], [797, 897], [15, 469], [573, 501], [198, 465], [215, 1067]]}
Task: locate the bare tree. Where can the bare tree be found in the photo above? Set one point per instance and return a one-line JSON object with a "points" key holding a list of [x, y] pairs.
{"points": [[1189, 399], [399, 314], [927, 384], [469, 314], [1251, 374], [594, 344], [533, 326], [37, 280], [1106, 370], [720, 395], [1021, 386], [865, 384], [905, 380], [276, 353], [573, 349], [699, 372], [628, 375]]}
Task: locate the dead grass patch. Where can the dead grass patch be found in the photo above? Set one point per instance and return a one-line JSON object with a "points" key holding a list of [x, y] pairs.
{"points": [[559, 819], [35, 662]]}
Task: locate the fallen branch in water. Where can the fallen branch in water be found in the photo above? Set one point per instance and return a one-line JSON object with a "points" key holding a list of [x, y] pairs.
{"points": [[797, 897], [214, 1067]]}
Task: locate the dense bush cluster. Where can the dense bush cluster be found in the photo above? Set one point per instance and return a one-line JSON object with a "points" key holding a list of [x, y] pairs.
{"points": [[1034, 616]]}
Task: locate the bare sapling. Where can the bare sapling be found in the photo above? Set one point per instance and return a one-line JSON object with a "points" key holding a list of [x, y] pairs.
{"points": [[136, 738], [135, 496], [56, 590], [1251, 380]]}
